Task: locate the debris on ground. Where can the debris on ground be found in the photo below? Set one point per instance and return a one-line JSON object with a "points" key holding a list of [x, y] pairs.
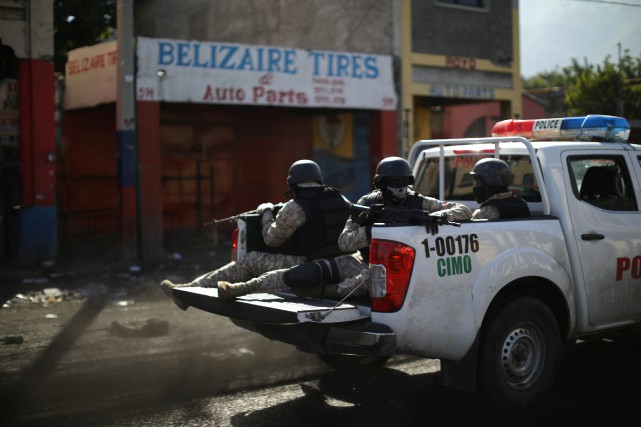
{"points": [[12, 339], [148, 328]]}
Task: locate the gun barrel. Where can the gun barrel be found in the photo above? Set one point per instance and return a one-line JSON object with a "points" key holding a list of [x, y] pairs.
{"points": [[358, 208]]}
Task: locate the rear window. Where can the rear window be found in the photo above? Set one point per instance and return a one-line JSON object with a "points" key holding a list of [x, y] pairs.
{"points": [[459, 182]]}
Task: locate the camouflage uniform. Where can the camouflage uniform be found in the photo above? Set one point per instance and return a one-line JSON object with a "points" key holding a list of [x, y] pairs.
{"points": [[351, 267], [276, 232], [489, 211], [253, 264]]}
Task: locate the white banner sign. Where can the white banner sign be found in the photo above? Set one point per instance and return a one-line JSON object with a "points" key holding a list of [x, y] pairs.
{"points": [[229, 73], [91, 75]]}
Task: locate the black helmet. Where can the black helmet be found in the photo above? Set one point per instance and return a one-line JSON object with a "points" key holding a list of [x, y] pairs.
{"points": [[303, 171], [393, 167], [493, 172]]}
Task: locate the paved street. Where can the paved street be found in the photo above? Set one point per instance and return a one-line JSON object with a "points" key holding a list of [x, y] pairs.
{"points": [[103, 346]]}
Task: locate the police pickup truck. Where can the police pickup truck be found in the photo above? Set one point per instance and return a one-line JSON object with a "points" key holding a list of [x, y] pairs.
{"points": [[495, 301]]}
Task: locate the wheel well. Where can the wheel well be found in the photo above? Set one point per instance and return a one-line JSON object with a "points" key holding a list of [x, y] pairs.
{"points": [[536, 287]]}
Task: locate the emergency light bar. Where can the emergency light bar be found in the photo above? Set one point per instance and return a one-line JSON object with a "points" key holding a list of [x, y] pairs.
{"points": [[586, 128]]}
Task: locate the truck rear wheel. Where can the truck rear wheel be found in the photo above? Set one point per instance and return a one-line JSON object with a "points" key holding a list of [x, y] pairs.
{"points": [[520, 354]]}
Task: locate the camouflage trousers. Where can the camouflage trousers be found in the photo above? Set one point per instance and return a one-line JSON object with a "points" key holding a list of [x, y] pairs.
{"points": [[353, 271], [252, 264]]}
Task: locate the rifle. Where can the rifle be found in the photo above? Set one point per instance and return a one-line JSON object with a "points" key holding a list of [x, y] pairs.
{"points": [[240, 215], [394, 214], [229, 219]]}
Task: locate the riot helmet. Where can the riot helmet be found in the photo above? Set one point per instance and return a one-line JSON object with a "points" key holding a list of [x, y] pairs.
{"points": [[304, 171], [491, 176], [393, 177]]}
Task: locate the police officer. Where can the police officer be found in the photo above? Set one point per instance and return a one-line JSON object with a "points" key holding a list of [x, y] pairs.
{"points": [[392, 182], [313, 219], [491, 180]]}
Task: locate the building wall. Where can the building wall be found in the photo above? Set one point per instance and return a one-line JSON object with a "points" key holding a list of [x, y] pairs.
{"points": [[442, 29], [354, 26], [202, 161], [453, 55], [29, 219]]}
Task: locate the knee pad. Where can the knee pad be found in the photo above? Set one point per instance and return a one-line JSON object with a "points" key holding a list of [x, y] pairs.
{"points": [[310, 274]]}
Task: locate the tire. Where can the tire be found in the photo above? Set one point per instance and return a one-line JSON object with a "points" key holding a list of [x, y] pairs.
{"points": [[348, 362], [520, 354]]}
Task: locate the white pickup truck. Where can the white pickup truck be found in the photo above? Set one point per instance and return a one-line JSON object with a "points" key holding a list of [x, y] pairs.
{"points": [[496, 300]]}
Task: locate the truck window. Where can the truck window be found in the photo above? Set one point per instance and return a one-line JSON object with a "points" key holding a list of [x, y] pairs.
{"points": [[459, 182], [602, 181]]}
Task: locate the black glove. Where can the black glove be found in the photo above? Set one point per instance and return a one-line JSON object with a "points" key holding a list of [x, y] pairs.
{"points": [[370, 217], [363, 219], [436, 219]]}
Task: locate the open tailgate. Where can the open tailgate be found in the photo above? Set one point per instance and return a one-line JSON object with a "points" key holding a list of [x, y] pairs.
{"points": [[280, 308]]}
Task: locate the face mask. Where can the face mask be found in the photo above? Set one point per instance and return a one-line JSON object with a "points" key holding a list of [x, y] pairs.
{"points": [[480, 193], [397, 193]]}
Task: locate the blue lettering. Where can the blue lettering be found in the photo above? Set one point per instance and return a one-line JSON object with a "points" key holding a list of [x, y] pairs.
{"points": [[342, 67], [259, 52], [274, 58], [357, 73], [165, 53], [212, 53], [371, 67], [317, 56], [226, 63], [290, 57], [197, 63], [246, 61], [183, 54]]}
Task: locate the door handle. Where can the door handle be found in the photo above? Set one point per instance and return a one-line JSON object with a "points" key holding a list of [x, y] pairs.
{"points": [[592, 236]]}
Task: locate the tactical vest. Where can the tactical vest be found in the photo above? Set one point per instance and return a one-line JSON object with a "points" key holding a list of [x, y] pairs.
{"points": [[411, 201], [326, 212], [513, 207]]}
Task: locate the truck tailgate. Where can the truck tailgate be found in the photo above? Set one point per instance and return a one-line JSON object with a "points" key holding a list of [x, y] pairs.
{"points": [[280, 308]]}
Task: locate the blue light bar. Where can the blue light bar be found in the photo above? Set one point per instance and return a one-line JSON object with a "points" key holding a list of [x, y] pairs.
{"points": [[597, 127]]}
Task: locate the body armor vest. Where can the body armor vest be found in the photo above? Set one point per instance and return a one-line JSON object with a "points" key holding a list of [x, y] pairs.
{"points": [[514, 207], [326, 212]]}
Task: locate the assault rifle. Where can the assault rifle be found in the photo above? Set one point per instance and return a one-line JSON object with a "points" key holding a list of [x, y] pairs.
{"points": [[277, 207], [367, 215]]}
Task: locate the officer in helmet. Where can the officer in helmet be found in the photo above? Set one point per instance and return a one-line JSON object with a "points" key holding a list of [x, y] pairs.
{"points": [[491, 180], [312, 219], [393, 186]]}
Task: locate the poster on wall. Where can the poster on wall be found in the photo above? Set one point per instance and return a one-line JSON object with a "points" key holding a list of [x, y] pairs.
{"points": [[230, 73], [334, 149]]}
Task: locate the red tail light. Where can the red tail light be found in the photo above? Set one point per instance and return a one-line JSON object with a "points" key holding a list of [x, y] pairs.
{"points": [[234, 244], [398, 261]]}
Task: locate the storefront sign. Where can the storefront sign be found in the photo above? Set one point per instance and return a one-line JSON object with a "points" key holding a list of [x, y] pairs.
{"points": [[229, 73], [91, 75], [461, 91]]}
